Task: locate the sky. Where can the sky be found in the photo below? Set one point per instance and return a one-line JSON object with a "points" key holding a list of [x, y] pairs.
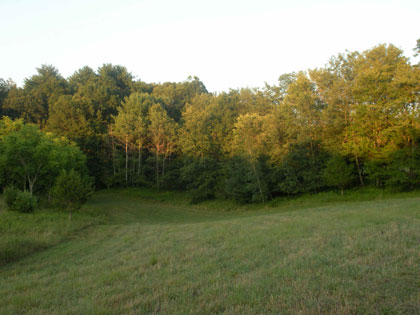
{"points": [[226, 43]]}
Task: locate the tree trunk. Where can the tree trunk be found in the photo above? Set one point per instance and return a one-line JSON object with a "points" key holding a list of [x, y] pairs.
{"points": [[31, 185], [313, 160], [163, 168], [157, 170], [126, 161], [258, 181], [139, 169], [133, 170], [359, 171], [255, 173], [113, 151]]}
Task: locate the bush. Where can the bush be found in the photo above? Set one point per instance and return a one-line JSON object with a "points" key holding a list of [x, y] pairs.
{"points": [[20, 201], [301, 169], [245, 180], [10, 194], [24, 202], [71, 190], [338, 173], [404, 170], [201, 177]]}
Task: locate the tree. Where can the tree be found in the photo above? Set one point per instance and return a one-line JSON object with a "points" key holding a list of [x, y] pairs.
{"points": [[275, 135], [162, 137], [27, 153], [176, 95], [39, 92], [201, 176], [277, 93], [66, 118], [14, 104], [71, 190], [32, 158], [301, 168], [333, 86], [338, 173], [8, 125], [384, 100], [5, 87], [97, 96], [404, 169], [113, 85], [131, 125], [240, 183], [248, 141], [196, 138], [302, 111]]}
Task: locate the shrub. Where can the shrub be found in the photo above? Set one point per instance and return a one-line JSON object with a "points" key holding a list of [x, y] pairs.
{"points": [[24, 202], [71, 190], [201, 177], [245, 180], [10, 194], [404, 170], [338, 173], [301, 168]]}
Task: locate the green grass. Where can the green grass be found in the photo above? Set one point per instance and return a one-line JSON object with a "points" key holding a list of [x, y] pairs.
{"points": [[147, 252], [24, 234]]}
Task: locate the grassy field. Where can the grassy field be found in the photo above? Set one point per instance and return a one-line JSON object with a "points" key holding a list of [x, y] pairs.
{"points": [[135, 252]]}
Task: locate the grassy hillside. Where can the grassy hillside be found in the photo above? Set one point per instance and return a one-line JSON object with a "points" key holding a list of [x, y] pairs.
{"points": [[138, 252]]}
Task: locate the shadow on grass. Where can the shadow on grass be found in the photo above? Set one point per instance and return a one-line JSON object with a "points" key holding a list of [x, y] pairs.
{"points": [[148, 206]]}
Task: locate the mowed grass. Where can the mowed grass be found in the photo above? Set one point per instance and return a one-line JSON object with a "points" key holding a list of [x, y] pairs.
{"points": [[151, 254]]}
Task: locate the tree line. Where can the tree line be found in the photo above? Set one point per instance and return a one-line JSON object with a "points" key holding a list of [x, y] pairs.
{"points": [[353, 122]]}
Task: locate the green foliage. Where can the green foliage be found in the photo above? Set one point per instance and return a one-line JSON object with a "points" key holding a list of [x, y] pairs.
{"points": [[39, 91], [301, 169], [202, 177], [34, 158], [404, 169], [21, 201], [71, 190], [176, 95], [131, 128], [417, 48], [10, 194], [25, 202], [67, 118], [5, 87], [278, 92], [8, 125], [245, 182], [361, 105], [376, 172], [338, 173], [198, 126], [162, 136]]}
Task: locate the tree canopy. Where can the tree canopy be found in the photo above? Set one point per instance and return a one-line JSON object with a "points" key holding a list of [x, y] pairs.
{"points": [[357, 117]]}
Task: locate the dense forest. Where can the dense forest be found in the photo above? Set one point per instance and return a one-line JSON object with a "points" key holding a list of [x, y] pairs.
{"points": [[353, 122]]}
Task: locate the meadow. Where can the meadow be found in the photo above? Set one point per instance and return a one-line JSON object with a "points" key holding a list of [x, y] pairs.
{"points": [[140, 252]]}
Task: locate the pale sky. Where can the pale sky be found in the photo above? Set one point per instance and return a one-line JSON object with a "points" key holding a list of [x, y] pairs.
{"points": [[226, 43]]}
